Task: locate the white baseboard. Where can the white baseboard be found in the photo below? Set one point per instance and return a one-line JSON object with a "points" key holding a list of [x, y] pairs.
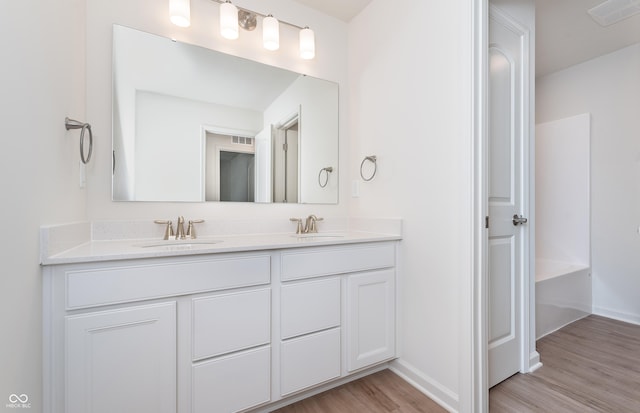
{"points": [[616, 315], [534, 362], [425, 384]]}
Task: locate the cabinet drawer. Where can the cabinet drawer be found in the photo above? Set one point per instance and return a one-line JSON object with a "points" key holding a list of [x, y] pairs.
{"points": [[231, 322], [233, 383], [309, 306], [309, 360], [135, 282], [327, 261]]}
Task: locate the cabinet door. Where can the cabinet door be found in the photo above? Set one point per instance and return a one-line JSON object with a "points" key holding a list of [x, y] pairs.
{"points": [[122, 360], [371, 318]]}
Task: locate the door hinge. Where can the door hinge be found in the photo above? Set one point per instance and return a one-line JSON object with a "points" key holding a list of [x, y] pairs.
{"points": [[486, 221], [285, 147]]}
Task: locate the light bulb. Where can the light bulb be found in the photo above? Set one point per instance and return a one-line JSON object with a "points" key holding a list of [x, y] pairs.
{"points": [[307, 44], [271, 33], [228, 20], [180, 12]]}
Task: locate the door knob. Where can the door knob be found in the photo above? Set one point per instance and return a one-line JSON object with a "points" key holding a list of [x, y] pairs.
{"points": [[519, 220]]}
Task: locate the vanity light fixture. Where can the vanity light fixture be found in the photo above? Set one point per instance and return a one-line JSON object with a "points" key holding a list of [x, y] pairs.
{"points": [[307, 43], [229, 20], [232, 18], [180, 12], [270, 33]]}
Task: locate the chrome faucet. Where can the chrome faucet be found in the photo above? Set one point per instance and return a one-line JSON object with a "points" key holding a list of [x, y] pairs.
{"points": [[311, 226]]}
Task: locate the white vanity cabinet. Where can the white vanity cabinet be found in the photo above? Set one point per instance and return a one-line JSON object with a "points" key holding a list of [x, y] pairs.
{"points": [[218, 332], [335, 301], [158, 335]]}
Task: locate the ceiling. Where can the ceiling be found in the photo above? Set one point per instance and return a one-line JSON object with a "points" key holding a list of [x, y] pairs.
{"points": [[344, 10], [565, 34]]}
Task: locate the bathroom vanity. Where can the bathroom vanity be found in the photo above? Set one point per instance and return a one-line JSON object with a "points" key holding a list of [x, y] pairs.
{"points": [[242, 324]]}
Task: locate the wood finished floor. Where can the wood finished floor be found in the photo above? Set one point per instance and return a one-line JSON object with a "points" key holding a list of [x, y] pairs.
{"points": [[592, 365], [381, 392]]}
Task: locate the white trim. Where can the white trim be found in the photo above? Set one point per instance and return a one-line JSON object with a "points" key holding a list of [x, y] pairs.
{"points": [[425, 384], [475, 398], [478, 392], [534, 362], [617, 315]]}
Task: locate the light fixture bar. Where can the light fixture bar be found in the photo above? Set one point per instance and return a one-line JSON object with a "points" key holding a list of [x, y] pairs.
{"points": [[261, 15]]}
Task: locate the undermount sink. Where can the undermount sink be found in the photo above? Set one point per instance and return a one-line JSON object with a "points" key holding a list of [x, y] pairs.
{"points": [[179, 244], [317, 236]]}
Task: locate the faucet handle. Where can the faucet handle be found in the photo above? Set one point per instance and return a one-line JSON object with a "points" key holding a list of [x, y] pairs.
{"points": [[299, 229], [191, 231], [168, 232]]}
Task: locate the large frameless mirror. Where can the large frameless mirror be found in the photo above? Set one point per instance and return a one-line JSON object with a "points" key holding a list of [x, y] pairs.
{"points": [[193, 125]]}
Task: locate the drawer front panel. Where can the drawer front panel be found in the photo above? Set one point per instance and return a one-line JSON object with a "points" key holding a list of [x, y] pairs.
{"points": [[327, 261], [233, 383], [231, 322], [309, 306], [121, 284], [309, 360]]}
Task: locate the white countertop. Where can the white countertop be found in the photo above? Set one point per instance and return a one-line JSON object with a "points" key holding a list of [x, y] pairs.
{"points": [[136, 248], [148, 248]]}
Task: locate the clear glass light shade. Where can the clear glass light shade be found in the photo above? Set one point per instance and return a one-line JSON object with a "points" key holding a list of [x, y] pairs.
{"points": [[307, 43], [271, 33], [229, 21], [180, 12]]}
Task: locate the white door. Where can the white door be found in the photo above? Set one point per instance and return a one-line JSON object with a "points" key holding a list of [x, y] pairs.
{"points": [[507, 138]]}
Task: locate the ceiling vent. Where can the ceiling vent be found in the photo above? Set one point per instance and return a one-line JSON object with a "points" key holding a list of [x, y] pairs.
{"points": [[612, 11]]}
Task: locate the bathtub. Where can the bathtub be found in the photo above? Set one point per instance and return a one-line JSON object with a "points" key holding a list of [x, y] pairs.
{"points": [[563, 294]]}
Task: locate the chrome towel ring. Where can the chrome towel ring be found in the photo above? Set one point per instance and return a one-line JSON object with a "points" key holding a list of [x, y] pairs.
{"points": [[74, 124], [374, 160], [327, 171]]}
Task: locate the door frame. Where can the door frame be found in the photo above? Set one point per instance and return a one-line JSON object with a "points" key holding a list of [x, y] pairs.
{"points": [[474, 390]]}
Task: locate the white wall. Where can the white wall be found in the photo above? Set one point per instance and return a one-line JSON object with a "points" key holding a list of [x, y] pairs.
{"points": [[609, 88], [152, 16], [410, 69], [315, 100], [42, 74], [169, 163]]}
